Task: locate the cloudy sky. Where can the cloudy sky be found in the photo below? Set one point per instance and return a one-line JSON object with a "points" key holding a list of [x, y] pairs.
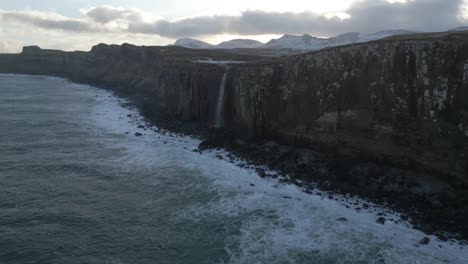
{"points": [[79, 24]]}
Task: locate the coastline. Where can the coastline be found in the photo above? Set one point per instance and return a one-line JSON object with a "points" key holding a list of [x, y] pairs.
{"points": [[325, 174], [365, 146]]}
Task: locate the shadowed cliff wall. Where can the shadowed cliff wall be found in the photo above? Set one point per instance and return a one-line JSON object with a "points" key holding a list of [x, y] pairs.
{"points": [[404, 100]]}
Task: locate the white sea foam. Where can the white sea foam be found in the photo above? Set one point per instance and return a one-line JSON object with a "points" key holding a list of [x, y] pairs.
{"points": [[279, 223]]}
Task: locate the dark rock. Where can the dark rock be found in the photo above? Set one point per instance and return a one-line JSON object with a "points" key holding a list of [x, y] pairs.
{"points": [[428, 229], [217, 139], [138, 134], [284, 180], [342, 219], [425, 241], [287, 197], [252, 184], [381, 220], [261, 172], [443, 238]]}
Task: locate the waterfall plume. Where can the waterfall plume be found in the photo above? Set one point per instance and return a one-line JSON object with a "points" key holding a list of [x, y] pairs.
{"points": [[219, 118]]}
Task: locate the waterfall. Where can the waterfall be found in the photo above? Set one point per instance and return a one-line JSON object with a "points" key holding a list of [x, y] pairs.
{"points": [[220, 105]]}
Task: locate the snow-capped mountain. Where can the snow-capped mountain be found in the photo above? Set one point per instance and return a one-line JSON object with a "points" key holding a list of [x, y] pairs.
{"points": [[343, 39], [303, 42], [193, 44], [292, 42], [307, 42], [240, 44]]}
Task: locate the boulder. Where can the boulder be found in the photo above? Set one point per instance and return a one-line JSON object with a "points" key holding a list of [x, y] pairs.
{"points": [[381, 220], [425, 241]]}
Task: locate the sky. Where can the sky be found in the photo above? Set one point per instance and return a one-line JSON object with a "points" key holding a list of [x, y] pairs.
{"points": [[80, 24]]}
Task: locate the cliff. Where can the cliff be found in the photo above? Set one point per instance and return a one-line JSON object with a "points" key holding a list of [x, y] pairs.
{"points": [[403, 99]]}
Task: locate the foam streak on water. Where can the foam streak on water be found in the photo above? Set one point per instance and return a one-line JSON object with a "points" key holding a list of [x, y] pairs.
{"points": [[99, 194]]}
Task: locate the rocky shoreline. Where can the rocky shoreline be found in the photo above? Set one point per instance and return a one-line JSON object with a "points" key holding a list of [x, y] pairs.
{"points": [[439, 211], [435, 210]]}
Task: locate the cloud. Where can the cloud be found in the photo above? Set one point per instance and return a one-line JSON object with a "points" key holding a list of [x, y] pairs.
{"points": [[191, 27], [362, 16], [107, 14], [46, 21], [103, 19], [8, 45], [423, 15], [4, 46], [249, 23]]}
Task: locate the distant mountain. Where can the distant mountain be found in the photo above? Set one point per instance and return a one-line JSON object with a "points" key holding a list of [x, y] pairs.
{"points": [[240, 44], [193, 44], [293, 42], [343, 39], [384, 34], [303, 42], [307, 42], [459, 29], [231, 44]]}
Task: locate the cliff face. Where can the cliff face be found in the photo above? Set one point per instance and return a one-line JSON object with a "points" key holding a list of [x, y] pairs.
{"points": [[403, 99]]}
